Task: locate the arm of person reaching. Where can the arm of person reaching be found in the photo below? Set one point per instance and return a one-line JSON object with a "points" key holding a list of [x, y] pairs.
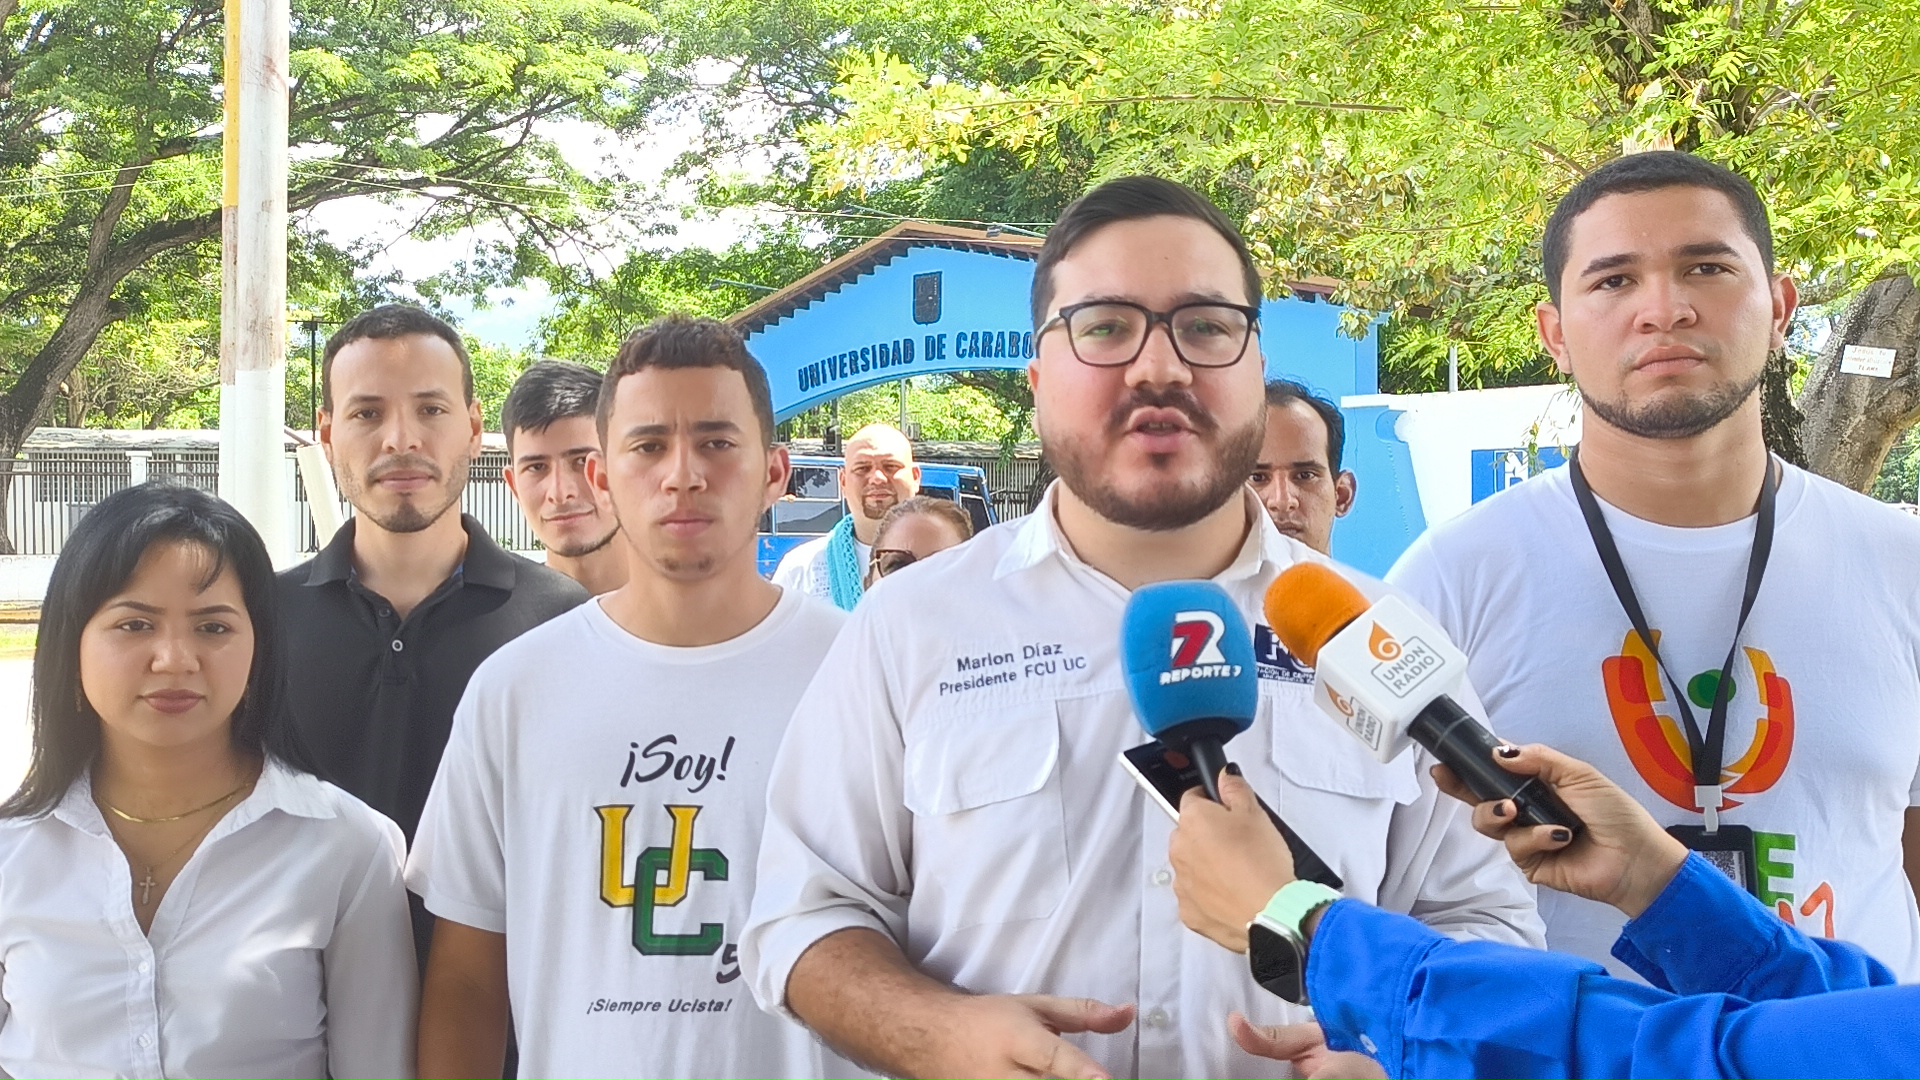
{"points": [[1424, 1005], [372, 985], [463, 1006], [1428, 1006], [1690, 929], [830, 904]]}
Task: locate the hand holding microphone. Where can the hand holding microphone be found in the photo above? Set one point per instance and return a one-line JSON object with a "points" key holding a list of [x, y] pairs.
{"points": [[1622, 858], [1384, 672]]}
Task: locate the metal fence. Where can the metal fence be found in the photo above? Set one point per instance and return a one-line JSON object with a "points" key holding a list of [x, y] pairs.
{"points": [[52, 489]]}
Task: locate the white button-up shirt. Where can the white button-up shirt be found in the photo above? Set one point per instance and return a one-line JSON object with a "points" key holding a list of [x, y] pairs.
{"points": [[951, 779], [282, 948]]}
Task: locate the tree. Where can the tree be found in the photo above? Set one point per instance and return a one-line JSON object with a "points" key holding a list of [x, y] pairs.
{"points": [[1411, 148], [110, 144]]}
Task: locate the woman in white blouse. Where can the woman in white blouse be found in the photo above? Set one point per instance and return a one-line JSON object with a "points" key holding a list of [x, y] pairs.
{"points": [[177, 896]]}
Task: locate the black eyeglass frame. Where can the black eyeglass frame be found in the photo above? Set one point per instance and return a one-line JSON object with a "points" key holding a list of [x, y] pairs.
{"points": [[1064, 316]]}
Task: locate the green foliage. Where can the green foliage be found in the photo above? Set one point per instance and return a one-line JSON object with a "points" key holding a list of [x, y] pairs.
{"points": [[594, 315], [938, 409], [110, 158], [1412, 148], [1899, 479]]}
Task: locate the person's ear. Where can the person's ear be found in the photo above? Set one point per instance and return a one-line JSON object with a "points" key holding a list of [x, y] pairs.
{"points": [[1345, 487], [1553, 335], [1786, 297], [779, 473]]}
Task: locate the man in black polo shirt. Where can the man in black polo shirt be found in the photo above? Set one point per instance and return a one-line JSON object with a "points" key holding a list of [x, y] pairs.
{"points": [[386, 623]]}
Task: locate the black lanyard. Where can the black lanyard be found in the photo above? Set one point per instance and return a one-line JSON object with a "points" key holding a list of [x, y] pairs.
{"points": [[1708, 749]]}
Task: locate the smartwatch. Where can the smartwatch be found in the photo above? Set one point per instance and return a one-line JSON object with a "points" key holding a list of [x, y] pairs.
{"points": [[1276, 948]]}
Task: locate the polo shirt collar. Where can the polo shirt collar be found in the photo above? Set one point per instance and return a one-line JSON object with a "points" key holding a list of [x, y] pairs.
{"points": [[1039, 539], [487, 563]]}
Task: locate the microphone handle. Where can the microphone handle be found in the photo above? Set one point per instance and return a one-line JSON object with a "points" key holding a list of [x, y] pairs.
{"points": [[1464, 745], [1209, 757]]}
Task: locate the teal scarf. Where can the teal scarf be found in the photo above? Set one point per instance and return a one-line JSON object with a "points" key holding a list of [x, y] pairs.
{"points": [[844, 571]]}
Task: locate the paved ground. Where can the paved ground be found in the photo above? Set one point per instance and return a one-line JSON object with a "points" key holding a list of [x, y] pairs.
{"points": [[16, 742]]}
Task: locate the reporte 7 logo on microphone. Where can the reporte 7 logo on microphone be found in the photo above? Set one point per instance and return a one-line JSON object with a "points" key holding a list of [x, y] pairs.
{"points": [[1195, 649]]}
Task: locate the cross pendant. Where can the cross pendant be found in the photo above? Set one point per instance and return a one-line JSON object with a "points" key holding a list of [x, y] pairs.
{"points": [[146, 887]]}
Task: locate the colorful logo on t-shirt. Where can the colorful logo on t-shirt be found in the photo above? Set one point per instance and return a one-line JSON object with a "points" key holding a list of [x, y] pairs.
{"points": [[1656, 743], [662, 878]]}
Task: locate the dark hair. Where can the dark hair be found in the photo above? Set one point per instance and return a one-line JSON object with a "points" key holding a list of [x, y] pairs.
{"points": [[1651, 171], [99, 558], [684, 341], [1284, 392], [549, 391], [384, 323], [1132, 198], [931, 505]]}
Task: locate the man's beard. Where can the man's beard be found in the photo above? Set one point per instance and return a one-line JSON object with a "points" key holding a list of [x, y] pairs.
{"points": [[407, 517], [875, 507], [1675, 417], [1169, 506], [586, 547]]}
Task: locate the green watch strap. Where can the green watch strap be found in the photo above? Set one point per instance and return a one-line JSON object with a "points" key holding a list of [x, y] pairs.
{"points": [[1295, 901]]}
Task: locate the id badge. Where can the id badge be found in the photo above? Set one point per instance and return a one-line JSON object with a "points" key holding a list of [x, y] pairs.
{"points": [[1730, 849]]}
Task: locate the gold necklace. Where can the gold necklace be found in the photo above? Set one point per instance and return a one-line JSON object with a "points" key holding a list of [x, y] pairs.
{"points": [[124, 816], [147, 881]]}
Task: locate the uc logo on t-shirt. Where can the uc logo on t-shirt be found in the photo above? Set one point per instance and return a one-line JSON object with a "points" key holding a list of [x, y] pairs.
{"points": [[1658, 747], [661, 876]]}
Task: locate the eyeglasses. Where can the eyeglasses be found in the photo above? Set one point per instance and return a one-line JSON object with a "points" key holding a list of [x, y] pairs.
{"points": [[1113, 333], [886, 560]]}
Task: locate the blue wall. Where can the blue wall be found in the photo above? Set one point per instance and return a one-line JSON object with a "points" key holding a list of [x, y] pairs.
{"points": [[865, 333]]}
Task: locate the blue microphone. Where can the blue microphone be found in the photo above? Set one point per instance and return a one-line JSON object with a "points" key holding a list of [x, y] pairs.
{"points": [[1188, 657]]}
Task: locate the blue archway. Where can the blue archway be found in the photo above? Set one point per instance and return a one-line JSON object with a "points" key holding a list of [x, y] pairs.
{"points": [[926, 299]]}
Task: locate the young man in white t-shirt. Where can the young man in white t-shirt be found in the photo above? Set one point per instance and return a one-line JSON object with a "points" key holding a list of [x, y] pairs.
{"points": [[1665, 306], [590, 841]]}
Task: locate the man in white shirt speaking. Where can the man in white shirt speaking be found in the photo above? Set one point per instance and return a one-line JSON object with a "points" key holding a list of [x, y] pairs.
{"points": [[956, 869], [878, 475], [1766, 705], [590, 839]]}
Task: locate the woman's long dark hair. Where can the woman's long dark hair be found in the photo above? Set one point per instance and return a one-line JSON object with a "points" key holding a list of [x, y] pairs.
{"points": [[98, 560]]}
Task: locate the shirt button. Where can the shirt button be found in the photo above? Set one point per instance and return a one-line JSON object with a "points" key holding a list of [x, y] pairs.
{"points": [[145, 966], [398, 645], [145, 1040], [1366, 1042], [1158, 1018], [386, 612], [1161, 877]]}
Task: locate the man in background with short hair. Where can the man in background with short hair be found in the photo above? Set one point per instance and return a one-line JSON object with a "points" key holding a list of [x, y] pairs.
{"points": [[548, 422], [1730, 638], [1298, 477], [878, 475], [386, 623], [590, 844]]}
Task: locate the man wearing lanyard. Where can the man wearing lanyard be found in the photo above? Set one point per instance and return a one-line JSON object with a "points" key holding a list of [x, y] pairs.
{"points": [[956, 869], [1730, 638]]}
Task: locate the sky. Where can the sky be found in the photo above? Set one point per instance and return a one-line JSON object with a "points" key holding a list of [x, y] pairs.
{"points": [[511, 317]]}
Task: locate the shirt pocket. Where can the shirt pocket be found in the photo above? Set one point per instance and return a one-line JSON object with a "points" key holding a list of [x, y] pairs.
{"points": [[1311, 751], [990, 828]]}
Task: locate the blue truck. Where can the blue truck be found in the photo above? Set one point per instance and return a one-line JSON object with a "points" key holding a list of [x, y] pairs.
{"points": [[812, 506]]}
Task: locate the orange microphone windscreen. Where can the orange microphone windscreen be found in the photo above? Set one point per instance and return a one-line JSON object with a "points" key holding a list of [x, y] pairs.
{"points": [[1308, 604]]}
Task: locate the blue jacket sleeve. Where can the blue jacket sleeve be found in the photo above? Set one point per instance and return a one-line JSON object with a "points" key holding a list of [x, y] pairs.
{"points": [[1706, 935], [1425, 1005]]}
